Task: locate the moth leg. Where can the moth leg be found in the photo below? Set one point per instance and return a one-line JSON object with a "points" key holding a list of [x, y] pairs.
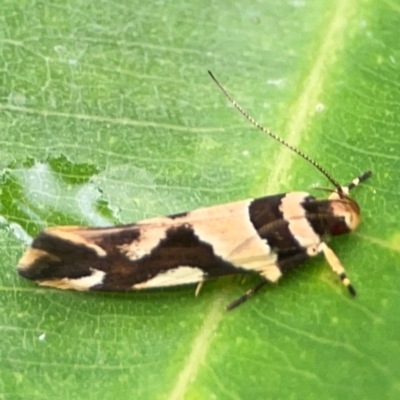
{"points": [[337, 267], [246, 296], [198, 288]]}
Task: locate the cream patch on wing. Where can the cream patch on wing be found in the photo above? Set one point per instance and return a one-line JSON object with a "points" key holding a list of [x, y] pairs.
{"points": [[32, 256], [173, 277], [75, 235], [84, 283], [233, 237], [299, 226], [151, 234]]}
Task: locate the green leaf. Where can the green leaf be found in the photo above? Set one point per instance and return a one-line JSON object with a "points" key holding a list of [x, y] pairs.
{"points": [[108, 116]]}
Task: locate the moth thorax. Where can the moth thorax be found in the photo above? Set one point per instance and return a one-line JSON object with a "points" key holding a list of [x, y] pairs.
{"points": [[346, 214]]}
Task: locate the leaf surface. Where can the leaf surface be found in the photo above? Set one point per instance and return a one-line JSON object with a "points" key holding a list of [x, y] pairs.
{"points": [[108, 116]]}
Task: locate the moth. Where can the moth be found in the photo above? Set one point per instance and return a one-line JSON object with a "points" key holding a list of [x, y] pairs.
{"points": [[267, 236]]}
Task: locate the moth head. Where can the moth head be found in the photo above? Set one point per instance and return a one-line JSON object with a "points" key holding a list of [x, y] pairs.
{"points": [[346, 213]]}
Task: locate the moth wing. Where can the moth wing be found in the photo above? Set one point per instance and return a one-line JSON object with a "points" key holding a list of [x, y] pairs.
{"points": [[166, 251]]}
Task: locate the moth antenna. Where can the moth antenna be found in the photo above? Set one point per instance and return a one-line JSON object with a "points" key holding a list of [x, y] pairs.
{"points": [[277, 138]]}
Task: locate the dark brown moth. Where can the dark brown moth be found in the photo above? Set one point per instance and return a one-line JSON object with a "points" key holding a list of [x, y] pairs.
{"points": [[267, 236]]}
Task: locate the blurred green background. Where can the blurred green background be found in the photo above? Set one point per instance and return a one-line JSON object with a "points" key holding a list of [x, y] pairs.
{"points": [[107, 115]]}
